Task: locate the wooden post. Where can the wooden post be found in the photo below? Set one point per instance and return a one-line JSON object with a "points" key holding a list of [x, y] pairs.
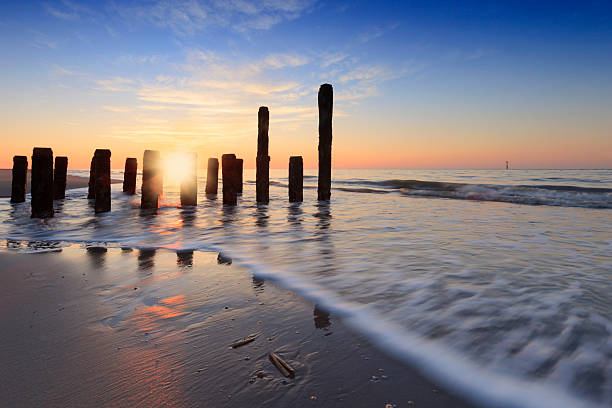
{"points": [[59, 177], [189, 187], [129, 175], [212, 176], [296, 179], [151, 179], [229, 173], [42, 182], [262, 162], [102, 187], [239, 163], [20, 179], [91, 194], [326, 102]]}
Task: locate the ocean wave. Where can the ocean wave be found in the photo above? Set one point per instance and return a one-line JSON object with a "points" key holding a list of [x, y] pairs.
{"points": [[432, 358], [544, 194]]}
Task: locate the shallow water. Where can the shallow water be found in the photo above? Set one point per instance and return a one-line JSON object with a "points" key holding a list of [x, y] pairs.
{"points": [[507, 274]]}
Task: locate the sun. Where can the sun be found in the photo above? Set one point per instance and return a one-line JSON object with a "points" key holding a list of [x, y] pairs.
{"points": [[178, 167]]}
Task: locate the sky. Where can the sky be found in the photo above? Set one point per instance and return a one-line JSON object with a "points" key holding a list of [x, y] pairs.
{"points": [[417, 84]]}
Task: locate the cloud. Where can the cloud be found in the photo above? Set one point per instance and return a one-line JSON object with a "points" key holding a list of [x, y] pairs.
{"points": [[329, 59], [212, 96], [458, 54], [277, 61], [366, 73], [41, 40], [67, 10], [370, 34], [130, 59], [116, 84], [186, 17]]}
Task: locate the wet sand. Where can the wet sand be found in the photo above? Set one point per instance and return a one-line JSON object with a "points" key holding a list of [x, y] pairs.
{"points": [[122, 328], [6, 177]]}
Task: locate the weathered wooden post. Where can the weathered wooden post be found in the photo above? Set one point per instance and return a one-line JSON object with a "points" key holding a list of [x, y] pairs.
{"points": [[151, 179], [326, 102], [262, 162], [189, 187], [42, 182], [102, 187], [92, 179], [212, 176], [296, 179], [129, 175], [230, 179], [20, 179], [59, 177], [239, 163]]}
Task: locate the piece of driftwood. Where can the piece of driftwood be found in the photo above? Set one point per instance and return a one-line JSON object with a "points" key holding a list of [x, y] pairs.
{"points": [[282, 366], [246, 340]]}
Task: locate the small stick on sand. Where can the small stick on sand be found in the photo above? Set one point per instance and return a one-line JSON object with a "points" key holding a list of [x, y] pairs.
{"points": [[246, 340], [282, 366]]}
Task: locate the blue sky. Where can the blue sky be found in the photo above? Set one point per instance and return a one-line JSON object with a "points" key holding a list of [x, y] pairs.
{"points": [[417, 84]]}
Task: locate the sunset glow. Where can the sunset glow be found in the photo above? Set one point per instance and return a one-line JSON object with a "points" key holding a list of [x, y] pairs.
{"points": [[177, 167], [416, 85]]}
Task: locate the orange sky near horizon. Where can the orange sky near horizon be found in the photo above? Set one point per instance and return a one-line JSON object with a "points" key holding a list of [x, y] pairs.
{"points": [[357, 144]]}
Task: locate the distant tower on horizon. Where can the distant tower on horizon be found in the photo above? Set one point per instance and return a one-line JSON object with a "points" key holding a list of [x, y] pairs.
{"points": [[507, 168]]}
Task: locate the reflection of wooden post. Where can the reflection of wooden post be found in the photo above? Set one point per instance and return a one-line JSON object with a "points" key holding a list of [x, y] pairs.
{"points": [[129, 176], [239, 163], [262, 162], [92, 179], [230, 177], [189, 187], [326, 101], [59, 177], [296, 179], [151, 179], [20, 179], [102, 186], [212, 176], [42, 182]]}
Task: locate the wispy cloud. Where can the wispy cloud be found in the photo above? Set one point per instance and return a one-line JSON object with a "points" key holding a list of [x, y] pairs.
{"points": [[370, 34], [475, 54], [67, 10], [186, 17], [130, 59], [216, 96], [277, 61], [329, 59], [41, 40], [116, 84], [373, 32], [366, 72]]}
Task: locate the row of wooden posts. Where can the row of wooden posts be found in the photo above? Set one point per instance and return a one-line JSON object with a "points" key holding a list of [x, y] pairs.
{"points": [[48, 182]]}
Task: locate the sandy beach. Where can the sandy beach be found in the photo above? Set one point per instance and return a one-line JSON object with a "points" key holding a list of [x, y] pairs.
{"points": [[122, 328], [71, 182]]}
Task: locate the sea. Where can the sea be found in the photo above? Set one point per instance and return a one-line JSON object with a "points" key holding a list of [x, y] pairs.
{"points": [[496, 284]]}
